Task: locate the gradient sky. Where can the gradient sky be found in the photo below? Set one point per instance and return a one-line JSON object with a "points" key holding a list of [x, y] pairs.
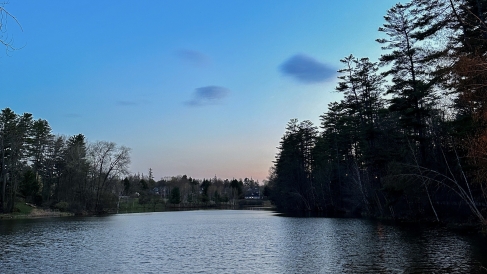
{"points": [[196, 87]]}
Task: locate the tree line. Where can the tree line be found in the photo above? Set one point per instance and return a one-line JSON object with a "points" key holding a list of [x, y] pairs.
{"points": [[409, 138], [183, 191], [66, 173], [72, 174]]}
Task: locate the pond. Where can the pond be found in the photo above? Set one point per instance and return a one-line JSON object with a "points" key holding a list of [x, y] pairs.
{"points": [[232, 241]]}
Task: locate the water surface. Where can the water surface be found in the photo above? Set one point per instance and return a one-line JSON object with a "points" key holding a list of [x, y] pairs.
{"points": [[229, 241]]}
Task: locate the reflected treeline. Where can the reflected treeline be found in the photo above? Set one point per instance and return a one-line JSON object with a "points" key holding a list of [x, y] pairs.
{"points": [[409, 138]]}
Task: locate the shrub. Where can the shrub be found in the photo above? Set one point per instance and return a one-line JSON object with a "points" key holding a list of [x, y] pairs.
{"points": [[61, 206]]}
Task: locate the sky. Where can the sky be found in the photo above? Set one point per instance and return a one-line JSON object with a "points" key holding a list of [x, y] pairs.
{"points": [[197, 87]]}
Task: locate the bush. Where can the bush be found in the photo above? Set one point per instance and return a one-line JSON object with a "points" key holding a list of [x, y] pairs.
{"points": [[61, 206]]}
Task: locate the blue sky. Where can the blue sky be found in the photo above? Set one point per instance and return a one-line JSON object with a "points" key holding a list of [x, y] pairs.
{"points": [[199, 87]]}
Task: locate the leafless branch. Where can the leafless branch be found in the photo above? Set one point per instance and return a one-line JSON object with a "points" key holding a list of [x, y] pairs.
{"points": [[4, 16]]}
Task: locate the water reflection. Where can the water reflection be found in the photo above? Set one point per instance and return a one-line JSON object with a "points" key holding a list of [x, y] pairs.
{"points": [[232, 242], [357, 246]]}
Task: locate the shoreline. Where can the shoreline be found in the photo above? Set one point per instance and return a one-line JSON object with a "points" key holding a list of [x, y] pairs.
{"points": [[35, 213], [453, 226]]}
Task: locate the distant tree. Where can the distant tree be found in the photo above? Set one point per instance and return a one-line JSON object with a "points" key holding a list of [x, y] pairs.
{"points": [[143, 184], [108, 162], [237, 186], [175, 196], [267, 191], [205, 185], [126, 186], [217, 197]]}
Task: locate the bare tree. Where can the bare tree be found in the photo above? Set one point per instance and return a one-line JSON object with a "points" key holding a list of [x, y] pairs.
{"points": [[108, 163], [455, 179]]}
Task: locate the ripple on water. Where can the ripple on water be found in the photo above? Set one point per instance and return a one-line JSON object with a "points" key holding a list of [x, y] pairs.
{"points": [[231, 242]]}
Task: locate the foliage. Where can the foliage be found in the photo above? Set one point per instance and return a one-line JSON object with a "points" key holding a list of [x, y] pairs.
{"points": [[175, 196], [61, 206], [56, 170], [390, 147]]}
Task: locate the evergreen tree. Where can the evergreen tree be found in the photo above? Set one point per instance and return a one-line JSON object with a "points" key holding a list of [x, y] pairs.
{"points": [[412, 84], [54, 165], [292, 178], [346, 161], [73, 185], [39, 143], [14, 132]]}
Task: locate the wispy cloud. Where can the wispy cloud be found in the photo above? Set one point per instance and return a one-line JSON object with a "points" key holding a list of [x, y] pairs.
{"points": [[126, 103], [306, 69], [209, 95], [193, 57]]}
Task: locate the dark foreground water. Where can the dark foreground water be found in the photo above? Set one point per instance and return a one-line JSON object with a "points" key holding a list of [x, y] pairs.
{"points": [[224, 241]]}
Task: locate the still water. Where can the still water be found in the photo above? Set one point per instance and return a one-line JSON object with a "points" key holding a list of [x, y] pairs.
{"points": [[227, 241]]}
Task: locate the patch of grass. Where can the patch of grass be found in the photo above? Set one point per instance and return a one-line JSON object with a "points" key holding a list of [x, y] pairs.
{"points": [[20, 208]]}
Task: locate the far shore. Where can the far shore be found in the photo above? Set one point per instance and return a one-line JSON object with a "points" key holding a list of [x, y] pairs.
{"points": [[30, 211], [36, 213]]}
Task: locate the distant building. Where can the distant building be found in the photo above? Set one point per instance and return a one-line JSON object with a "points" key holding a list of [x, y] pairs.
{"points": [[155, 191], [252, 193]]}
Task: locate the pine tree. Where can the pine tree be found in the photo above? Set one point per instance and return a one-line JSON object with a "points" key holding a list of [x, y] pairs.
{"points": [[292, 176], [14, 132], [412, 84]]}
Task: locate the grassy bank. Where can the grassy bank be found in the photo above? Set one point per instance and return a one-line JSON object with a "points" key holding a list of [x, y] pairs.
{"points": [[23, 210]]}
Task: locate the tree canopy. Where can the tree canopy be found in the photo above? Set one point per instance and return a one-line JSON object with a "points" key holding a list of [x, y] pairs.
{"points": [[408, 138]]}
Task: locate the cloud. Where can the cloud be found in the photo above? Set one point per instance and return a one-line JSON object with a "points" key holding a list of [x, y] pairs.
{"points": [[209, 95], [306, 69], [126, 103], [193, 57]]}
